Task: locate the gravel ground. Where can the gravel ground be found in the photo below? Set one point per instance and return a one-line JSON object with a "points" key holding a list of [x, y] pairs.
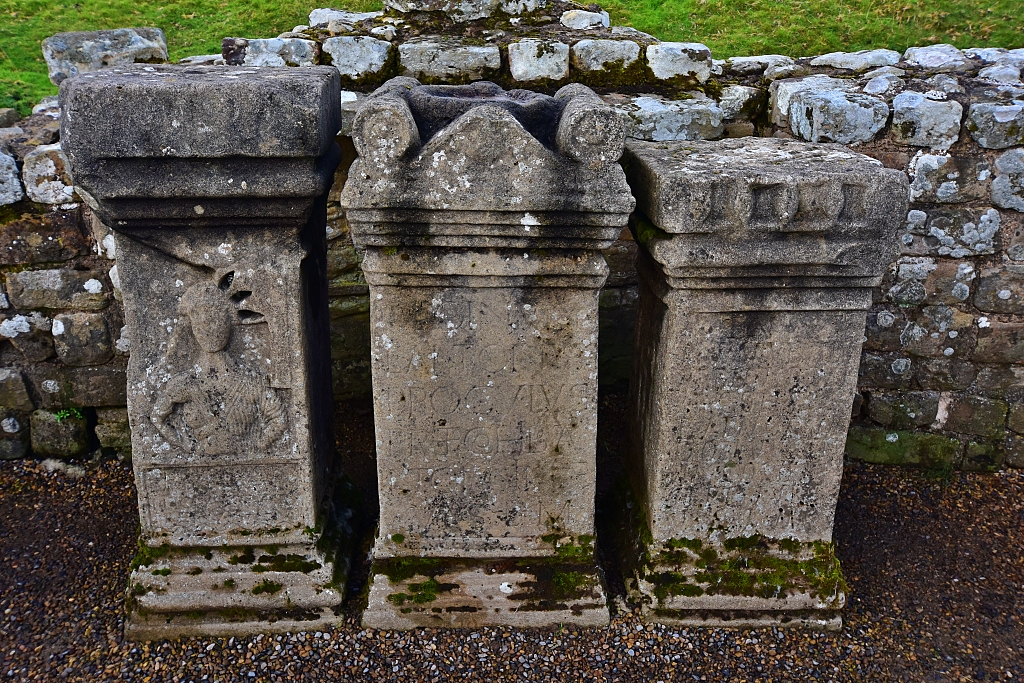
{"points": [[936, 569]]}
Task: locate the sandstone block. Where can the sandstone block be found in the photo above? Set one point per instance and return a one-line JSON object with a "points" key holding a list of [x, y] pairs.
{"points": [[69, 54], [483, 215], [357, 56], [924, 122], [858, 61], [448, 60], [325, 15], [739, 101], [42, 238], [46, 176], [8, 117], [976, 415], [14, 435], [58, 288], [983, 457], [115, 435], [221, 258], [895, 447], [531, 59], [723, 319], [745, 66], [270, 51], [1008, 185], [836, 116], [1000, 342], [10, 182], [82, 339], [996, 126], [659, 119], [601, 54], [781, 93], [671, 60], [30, 335], [582, 19], [1000, 290], [64, 434], [13, 394], [954, 231], [1015, 420], [940, 57], [886, 371], [949, 178], [61, 387], [904, 410], [944, 374]]}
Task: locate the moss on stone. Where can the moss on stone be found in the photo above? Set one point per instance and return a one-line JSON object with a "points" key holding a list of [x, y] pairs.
{"points": [[266, 586]]}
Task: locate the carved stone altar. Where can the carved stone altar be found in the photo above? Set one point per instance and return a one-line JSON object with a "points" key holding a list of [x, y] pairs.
{"points": [[757, 261], [482, 213], [214, 180]]}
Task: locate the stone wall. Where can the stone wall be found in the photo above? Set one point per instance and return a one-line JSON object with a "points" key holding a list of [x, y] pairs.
{"points": [[942, 373]]}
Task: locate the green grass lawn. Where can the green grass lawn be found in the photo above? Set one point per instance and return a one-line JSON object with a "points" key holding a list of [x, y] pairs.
{"points": [[728, 27]]}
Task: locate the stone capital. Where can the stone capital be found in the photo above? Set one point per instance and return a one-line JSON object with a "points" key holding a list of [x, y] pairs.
{"points": [[191, 146]]}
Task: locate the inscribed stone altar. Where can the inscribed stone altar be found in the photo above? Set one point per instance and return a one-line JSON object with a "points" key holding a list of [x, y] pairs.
{"points": [[756, 267], [482, 213], [215, 188]]}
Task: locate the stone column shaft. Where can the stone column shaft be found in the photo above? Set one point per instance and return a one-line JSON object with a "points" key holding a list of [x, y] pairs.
{"points": [[756, 266], [214, 180], [483, 214]]}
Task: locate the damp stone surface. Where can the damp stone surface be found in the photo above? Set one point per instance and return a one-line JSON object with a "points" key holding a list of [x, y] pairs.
{"points": [[216, 194], [482, 214], [756, 263]]}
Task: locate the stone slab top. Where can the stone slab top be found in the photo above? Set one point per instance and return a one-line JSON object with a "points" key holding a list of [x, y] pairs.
{"points": [[765, 184], [158, 111]]}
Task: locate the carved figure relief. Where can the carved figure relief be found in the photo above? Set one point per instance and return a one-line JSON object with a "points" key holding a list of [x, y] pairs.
{"points": [[218, 406]]}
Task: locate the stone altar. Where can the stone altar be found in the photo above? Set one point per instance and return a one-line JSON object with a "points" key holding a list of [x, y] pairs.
{"points": [[482, 213], [756, 266], [214, 180]]}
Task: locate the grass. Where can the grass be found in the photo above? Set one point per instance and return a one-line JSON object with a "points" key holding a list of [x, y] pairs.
{"points": [[728, 27]]}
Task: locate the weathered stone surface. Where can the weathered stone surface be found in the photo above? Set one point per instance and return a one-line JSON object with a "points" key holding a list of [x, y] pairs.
{"points": [[671, 60], [46, 177], [904, 410], [1000, 342], [69, 54], [447, 59], [1005, 73], [781, 93], [58, 288], [82, 339], [531, 59], [10, 183], [747, 350], [659, 119], [925, 122], [36, 130], [8, 117], [1000, 290], [270, 51], [996, 125], [582, 19], [466, 10], [600, 54], [956, 232], [58, 386], [64, 434], [940, 57], [357, 56], [42, 238], [221, 258], [325, 15], [738, 101], [757, 64], [975, 415], [858, 61], [836, 116], [894, 447], [483, 214], [14, 435], [882, 84], [13, 393], [948, 178], [1008, 185], [30, 335]]}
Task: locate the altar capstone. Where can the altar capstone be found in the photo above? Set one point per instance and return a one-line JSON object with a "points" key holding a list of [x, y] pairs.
{"points": [[756, 266], [214, 180], [483, 213]]}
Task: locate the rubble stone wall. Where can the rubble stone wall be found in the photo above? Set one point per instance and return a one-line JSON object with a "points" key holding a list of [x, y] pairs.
{"points": [[942, 372]]}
